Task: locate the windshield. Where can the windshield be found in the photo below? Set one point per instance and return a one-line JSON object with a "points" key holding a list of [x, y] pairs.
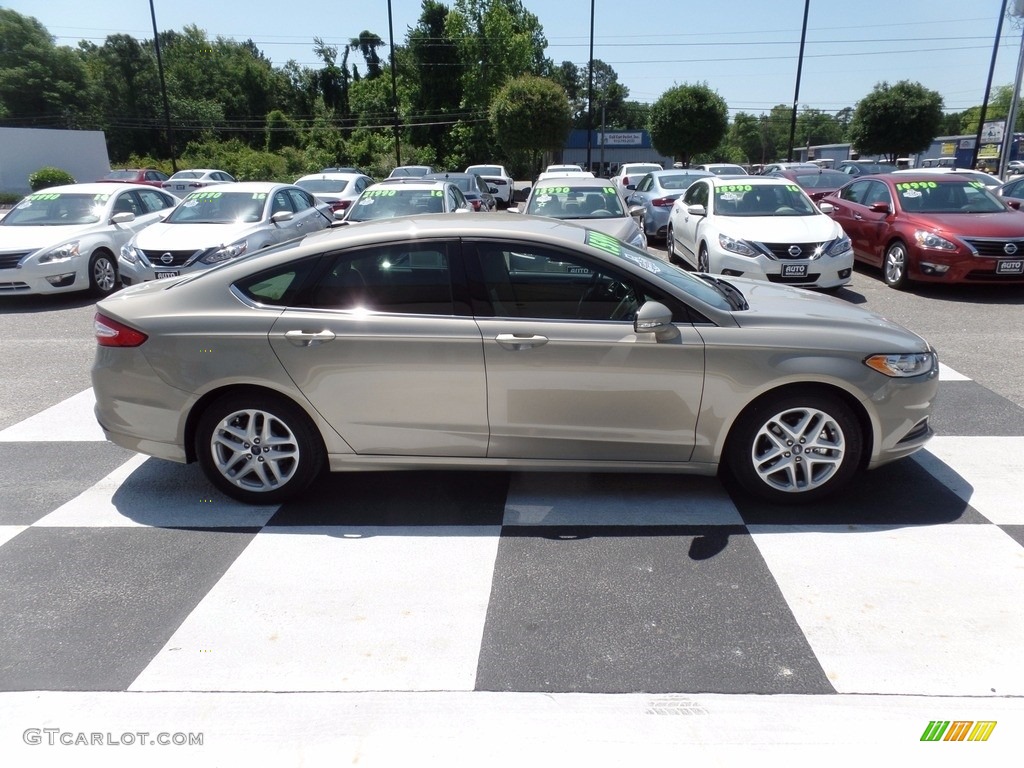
{"points": [[727, 170], [823, 180], [388, 203], [219, 208], [953, 196], [322, 185], [47, 209], [762, 200], [677, 180], [122, 175], [564, 201]]}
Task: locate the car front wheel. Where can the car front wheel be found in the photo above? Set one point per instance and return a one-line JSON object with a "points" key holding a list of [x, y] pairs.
{"points": [[258, 448], [102, 274], [795, 448], [703, 261], [894, 268]]}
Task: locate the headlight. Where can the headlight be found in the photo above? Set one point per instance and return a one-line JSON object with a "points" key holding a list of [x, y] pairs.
{"points": [[736, 246], [128, 253], [60, 253], [903, 366], [839, 247], [931, 240], [638, 241], [223, 253]]}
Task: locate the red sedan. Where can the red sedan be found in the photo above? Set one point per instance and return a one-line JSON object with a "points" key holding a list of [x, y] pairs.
{"points": [[816, 182], [939, 228], [148, 176]]}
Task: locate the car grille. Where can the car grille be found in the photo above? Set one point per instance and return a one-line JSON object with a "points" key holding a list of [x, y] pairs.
{"points": [[10, 260], [808, 279], [997, 247], [781, 250], [178, 258]]}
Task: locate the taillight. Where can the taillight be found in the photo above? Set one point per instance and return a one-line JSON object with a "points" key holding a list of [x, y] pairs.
{"points": [[339, 205], [625, 180], [110, 333], [663, 202]]}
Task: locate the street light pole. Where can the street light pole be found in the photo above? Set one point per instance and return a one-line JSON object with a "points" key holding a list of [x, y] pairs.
{"points": [[799, 69], [988, 86], [163, 89], [590, 91], [394, 88]]}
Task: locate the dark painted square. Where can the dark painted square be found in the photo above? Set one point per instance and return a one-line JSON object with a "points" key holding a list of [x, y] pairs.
{"points": [[400, 499], [688, 609], [86, 609], [1015, 532], [39, 477], [968, 408]]}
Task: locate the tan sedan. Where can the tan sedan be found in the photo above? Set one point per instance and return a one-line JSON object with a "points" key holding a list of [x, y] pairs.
{"points": [[497, 342]]}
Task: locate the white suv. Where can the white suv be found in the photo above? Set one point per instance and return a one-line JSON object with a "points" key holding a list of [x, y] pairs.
{"points": [[498, 179]]}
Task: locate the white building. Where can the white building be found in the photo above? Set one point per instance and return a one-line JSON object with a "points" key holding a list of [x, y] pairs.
{"points": [[23, 151]]}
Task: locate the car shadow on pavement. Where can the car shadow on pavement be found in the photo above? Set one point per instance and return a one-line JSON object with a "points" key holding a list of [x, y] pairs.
{"points": [[30, 304]]}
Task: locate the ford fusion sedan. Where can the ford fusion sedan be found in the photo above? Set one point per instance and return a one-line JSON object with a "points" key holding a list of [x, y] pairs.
{"points": [[502, 343], [220, 223], [589, 202], [931, 227], [758, 227], [67, 238]]}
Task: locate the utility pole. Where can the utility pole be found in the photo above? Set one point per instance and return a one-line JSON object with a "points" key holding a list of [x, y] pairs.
{"points": [[163, 89], [394, 88], [988, 86], [799, 69]]}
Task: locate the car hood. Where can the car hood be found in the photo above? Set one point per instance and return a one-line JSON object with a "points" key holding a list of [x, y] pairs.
{"points": [[780, 229], [812, 314], [34, 238], [619, 228], [1001, 224], [185, 237]]}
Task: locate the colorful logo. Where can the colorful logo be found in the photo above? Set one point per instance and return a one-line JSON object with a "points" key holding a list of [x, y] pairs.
{"points": [[958, 730]]}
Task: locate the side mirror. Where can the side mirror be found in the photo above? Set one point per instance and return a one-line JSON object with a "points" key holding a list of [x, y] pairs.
{"points": [[122, 218], [282, 216], [1015, 204], [826, 207], [697, 210], [880, 208], [631, 186], [654, 317]]}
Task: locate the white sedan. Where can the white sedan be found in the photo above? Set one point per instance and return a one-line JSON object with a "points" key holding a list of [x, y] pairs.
{"points": [[219, 223], [758, 227], [67, 238], [496, 176]]}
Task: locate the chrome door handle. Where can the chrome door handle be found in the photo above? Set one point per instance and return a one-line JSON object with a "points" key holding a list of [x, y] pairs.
{"points": [[517, 342], [309, 338]]}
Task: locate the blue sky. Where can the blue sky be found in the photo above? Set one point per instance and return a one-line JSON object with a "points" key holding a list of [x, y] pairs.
{"points": [[745, 49]]}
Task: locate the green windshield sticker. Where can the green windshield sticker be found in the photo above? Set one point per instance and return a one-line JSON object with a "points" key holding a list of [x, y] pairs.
{"points": [[101, 198], [608, 190], [554, 190], [436, 193], [203, 196], [730, 188], [259, 195], [44, 196], [904, 186], [379, 193], [792, 187], [977, 184], [604, 242]]}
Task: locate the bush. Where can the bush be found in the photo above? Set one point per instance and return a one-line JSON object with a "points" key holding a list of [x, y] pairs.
{"points": [[9, 198], [49, 177]]}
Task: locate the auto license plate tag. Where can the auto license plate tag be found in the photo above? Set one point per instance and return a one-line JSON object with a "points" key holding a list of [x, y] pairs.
{"points": [[794, 270], [179, 186], [166, 274], [1010, 267]]}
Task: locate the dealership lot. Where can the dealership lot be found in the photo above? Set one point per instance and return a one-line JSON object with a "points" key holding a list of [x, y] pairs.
{"points": [[449, 607]]}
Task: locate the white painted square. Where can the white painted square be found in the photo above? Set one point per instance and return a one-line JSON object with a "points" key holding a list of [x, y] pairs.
{"points": [[986, 472], [338, 609], [8, 532], [156, 493], [948, 374], [932, 610], [71, 420], [543, 498]]}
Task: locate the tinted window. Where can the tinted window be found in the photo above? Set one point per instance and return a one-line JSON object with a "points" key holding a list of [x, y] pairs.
{"points": [[155, 201], [278, 286], [406, 278], [856, 192]]}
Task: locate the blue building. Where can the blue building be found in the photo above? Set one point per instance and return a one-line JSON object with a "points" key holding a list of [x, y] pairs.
{"points": [[616, 148]]}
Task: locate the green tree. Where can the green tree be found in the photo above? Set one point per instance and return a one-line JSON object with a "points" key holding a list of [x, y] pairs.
{"points": [[367, 44], [531, 115], [748, 139], [688, 120], [896, 120], [433, 68], [40, 83]]}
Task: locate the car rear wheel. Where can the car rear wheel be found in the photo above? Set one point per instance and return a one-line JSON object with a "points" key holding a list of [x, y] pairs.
{"points": [[894, 268], [795, 448], [102, 274], [258, 448], [670, 247]]}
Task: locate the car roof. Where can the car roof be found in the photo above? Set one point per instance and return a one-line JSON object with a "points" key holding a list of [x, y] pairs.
{"points": [[417, 183], [96, 188], [331, 176], [760, 181], [578, 182], [243, 187], [443, 175]]}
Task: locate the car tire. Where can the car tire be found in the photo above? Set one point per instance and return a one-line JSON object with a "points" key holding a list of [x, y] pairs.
{"points": [[102, 274], [232, 446], [703, 260], [768, 447], [670, 247], [894, 265]]}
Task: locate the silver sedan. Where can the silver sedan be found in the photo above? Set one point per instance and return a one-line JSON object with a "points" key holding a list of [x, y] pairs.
{"points": [[654, 194], [495, 342]]}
